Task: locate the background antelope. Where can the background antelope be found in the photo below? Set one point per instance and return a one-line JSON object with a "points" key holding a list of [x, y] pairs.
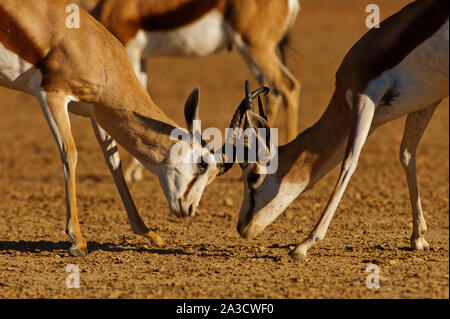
{"points": [[195, 28], [400, 68], [59, 66]]}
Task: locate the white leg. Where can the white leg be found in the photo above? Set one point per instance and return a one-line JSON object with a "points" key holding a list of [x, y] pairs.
{"points": [[415, 126], [54, 105], [363, 110], [111, 153]]}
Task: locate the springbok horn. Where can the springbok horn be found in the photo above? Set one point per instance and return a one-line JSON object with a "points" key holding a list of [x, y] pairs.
{"points": [[246, 104], [261, 108]]}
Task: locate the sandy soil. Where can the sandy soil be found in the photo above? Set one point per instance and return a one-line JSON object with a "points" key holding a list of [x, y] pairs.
{"points": [[204, 257]]}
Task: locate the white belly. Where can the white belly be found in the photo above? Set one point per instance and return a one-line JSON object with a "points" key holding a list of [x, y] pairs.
{"points": [[17, 74], [203, 37], [420, 80]]}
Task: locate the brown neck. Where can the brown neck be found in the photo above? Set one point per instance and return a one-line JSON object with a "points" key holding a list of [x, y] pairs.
{"points": [[318, 149], [126, 111], [140, 130]]}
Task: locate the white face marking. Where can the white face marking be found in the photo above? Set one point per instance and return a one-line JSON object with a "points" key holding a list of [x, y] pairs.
{"points": [[16, 73], [265, 202], [183, 183], [203, 37]]}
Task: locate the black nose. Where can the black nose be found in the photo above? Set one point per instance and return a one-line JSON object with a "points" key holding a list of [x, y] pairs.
{"points": [[239, 226], [191, 210]]}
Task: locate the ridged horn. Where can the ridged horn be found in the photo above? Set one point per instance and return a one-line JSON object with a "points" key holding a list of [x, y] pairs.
{"points": [[236, 121]]}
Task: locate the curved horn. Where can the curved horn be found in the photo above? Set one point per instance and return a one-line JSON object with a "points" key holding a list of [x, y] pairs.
{"points": [[262, 90], [261, 108], [246, 104], [249, 95]]}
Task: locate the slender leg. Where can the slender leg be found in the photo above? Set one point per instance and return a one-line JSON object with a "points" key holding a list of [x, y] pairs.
{"points": [[415, 126], [54, 106], [269, 70], [111, 153], [135, 171], [363, 111]]}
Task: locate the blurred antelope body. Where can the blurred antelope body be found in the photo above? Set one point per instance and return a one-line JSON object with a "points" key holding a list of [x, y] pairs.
{"points": [[196, 28]]}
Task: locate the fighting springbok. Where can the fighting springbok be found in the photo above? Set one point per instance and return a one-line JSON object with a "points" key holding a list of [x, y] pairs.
{"points": [[196, 28], [400, 68], [65, 72]]}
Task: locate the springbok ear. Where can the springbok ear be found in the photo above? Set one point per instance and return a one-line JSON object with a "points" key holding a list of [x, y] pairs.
{"points": [[256, 122], [191, 113]]}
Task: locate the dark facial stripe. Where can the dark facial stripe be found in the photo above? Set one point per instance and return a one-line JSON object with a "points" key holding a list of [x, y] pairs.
{"points": [[384, 48], [249, 215], [189, 187]]}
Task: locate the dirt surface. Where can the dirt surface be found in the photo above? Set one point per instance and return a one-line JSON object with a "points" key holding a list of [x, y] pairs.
{"points": [[204, 257]]}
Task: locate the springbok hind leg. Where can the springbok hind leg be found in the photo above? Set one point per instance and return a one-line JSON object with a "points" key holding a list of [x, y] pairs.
{"points": [[269, 70], [415, 126], [286, 89], [363, 112], [54, 106]]}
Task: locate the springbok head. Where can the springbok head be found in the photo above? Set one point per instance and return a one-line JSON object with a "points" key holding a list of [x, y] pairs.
{"points": [[265, 196], [192, 164]]}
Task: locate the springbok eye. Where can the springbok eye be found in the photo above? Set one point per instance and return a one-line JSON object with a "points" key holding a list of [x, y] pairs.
{"points": [[253, 178], [202, 166]]}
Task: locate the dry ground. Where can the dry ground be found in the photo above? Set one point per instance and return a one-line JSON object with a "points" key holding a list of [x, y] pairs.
{"points": [[204, 256]]}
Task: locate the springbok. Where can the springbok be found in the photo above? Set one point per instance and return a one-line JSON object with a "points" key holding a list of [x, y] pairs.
{"points": [[196, 28], [60, 67], [400, 68]]}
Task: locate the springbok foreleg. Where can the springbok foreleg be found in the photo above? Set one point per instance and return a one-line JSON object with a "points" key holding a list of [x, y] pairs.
{"points": [[135, 170], [54, 106], [111, 153], [415, 126], [363, 111]]}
